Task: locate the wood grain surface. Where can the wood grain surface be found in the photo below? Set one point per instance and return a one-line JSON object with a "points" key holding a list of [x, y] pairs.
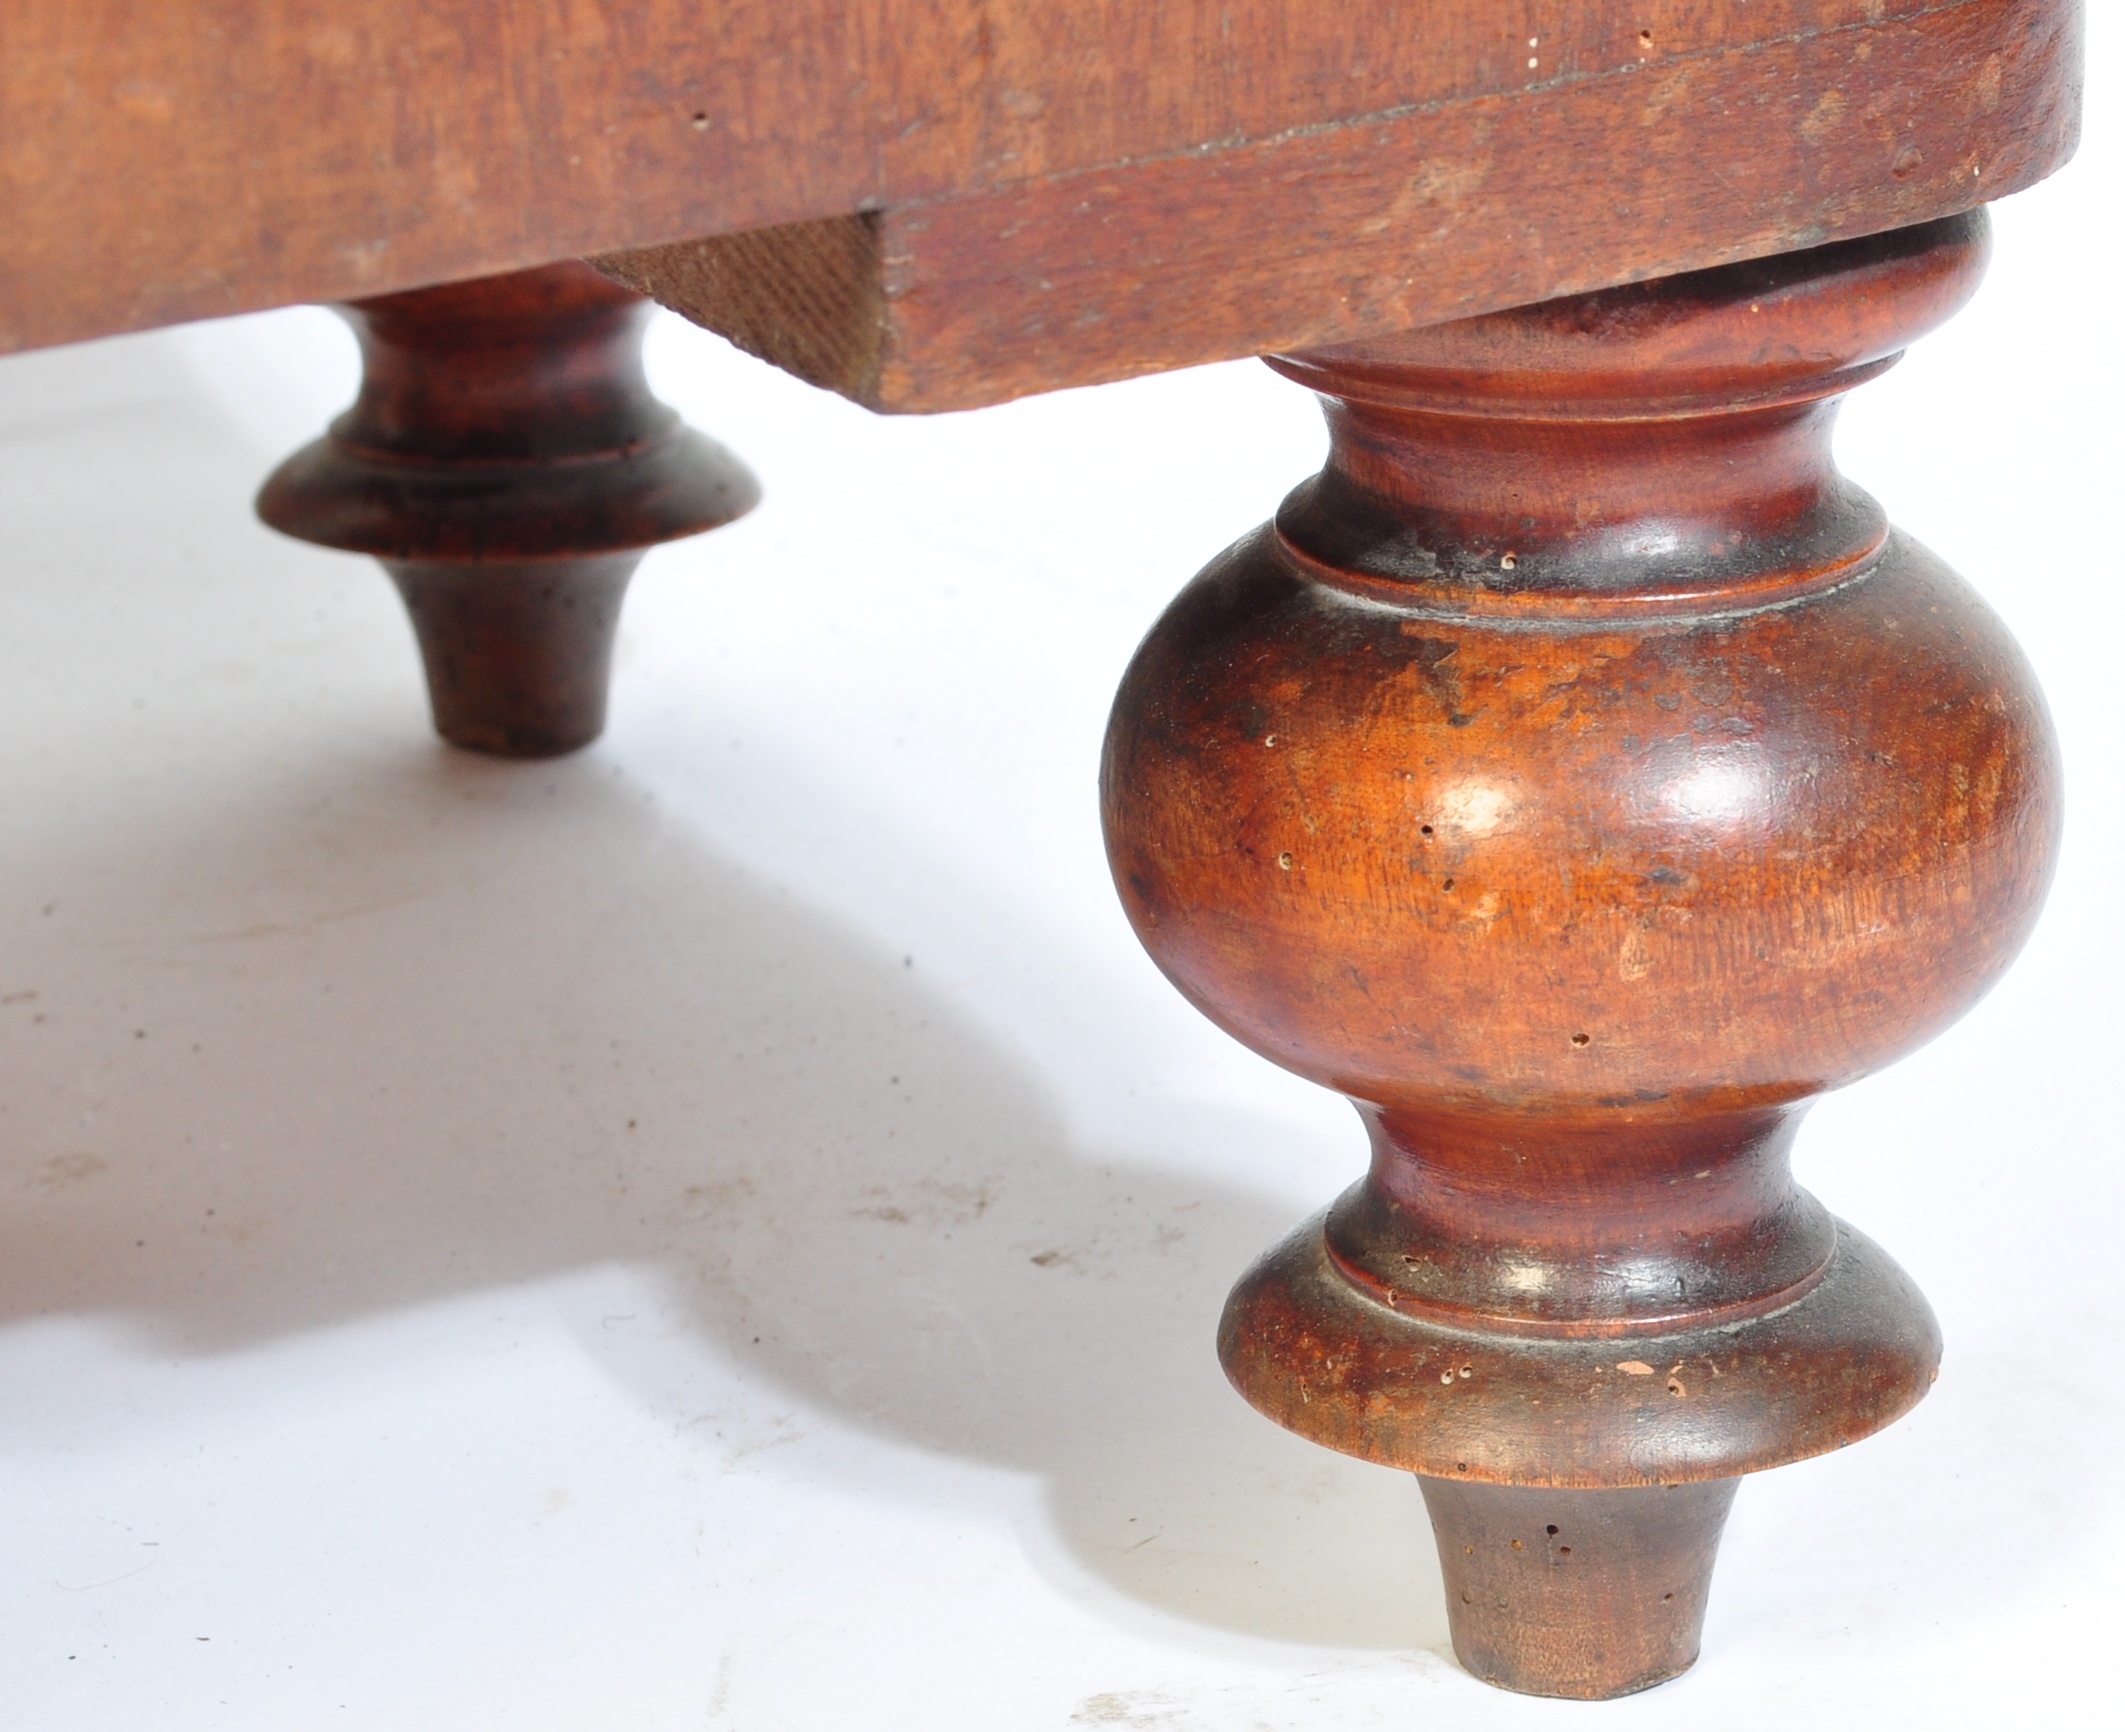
{"points": [[1063, 193], [1580, 775], [1636, 167], [1521, 1563]]}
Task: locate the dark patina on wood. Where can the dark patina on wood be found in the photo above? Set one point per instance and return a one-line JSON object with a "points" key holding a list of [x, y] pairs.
{"points": [[508, 464], [1581, 776]]}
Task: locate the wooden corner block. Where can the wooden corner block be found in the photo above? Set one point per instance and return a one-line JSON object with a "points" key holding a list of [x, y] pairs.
{"points": [[810, 297]]}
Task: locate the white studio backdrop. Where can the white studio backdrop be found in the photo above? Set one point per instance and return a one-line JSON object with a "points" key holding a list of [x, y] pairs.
{"points": [[725, 1231]]}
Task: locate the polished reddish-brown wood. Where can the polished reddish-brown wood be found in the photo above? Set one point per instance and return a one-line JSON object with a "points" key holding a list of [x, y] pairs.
{"points": [[1639, 146], [1059, 194], [1522, 1564], [1581, 776], [508, 464]]}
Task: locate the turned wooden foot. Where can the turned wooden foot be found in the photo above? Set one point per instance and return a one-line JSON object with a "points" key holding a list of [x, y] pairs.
{"points": [[508, 465], [1581, 776]]}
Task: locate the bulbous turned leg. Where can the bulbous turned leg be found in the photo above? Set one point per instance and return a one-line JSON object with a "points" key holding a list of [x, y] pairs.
{"points": [[506, 462], [1580, 776]]}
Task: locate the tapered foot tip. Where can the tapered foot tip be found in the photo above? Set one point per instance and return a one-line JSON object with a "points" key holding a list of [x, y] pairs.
{"points": [[518, 652], [527, 741], [1580, 1594]]}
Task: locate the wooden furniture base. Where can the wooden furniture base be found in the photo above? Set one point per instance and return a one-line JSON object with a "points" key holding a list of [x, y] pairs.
{"points": [[932, 206], [508, 465], [1580, 775]]}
